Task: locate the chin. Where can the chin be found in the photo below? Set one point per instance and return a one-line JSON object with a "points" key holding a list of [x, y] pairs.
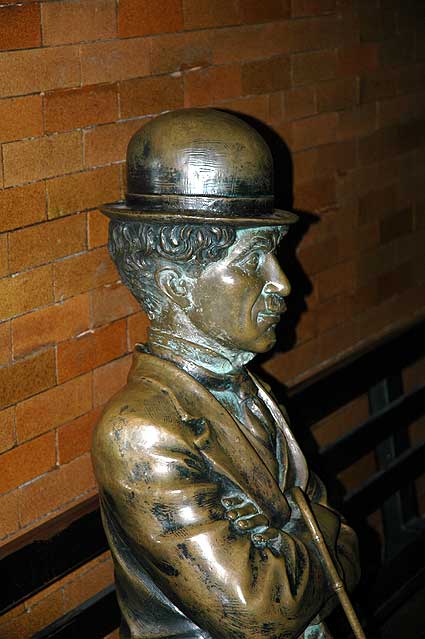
{"points": [[265, 342]]}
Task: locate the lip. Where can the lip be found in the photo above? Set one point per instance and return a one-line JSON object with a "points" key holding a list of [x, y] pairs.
{"points": [[271, 317]]}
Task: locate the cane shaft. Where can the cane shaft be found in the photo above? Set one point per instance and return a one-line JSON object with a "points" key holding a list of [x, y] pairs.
{"points": [[337, 583]]}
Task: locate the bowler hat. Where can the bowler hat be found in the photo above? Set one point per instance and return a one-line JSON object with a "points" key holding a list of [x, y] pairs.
{"points": [[199, 166]]}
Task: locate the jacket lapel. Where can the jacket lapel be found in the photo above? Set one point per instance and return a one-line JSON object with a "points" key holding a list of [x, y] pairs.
{"points": [[291, 456], [217, 436]]}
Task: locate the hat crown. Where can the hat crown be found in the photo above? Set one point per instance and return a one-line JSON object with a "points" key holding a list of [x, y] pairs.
{"points": [[199, 152]]}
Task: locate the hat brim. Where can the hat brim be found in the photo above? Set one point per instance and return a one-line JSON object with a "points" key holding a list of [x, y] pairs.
{"points": [[122, 211]]}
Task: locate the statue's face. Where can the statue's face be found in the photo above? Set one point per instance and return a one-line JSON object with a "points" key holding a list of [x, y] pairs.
{"points": [[238, 300]]}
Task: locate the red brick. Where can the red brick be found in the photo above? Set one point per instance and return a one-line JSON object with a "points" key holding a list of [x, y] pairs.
{"points": [[201, 14], [54, 407], [9, 520], [380, 84], [212, 85], [66, 22], [256, 106], [50, 325], [320, 129], [88, 584], [358, 122], [332, 313], [181, 51], [27, 377], [299, 103], [276, 108], [4, 258], [379, 145], [142, 17], [336, 280], [313, 67], [24, 292], [74, 438], [337, 94], [82, 191], [126, 59], [83, 272], [90, 350], [151, 95], [30, 619], [255, 12], [364, 297], [46, 242], [400, 109], [395, 225], [5, 344], [241, 44], [21, 118], [398, 280], [316, 195], [55, 489], [7, 429], [22, 206], [109, 379], [97, 229], [302, 8], [359, 240], [25, 462], [75, 108], [30, 160], [137, 328], [374, 263], [108, 143], [20, 27], [295, 363], [397, 51], [376, 24], [358, 59], [265, 76], [38, 70], [310, 34], [320, 256], [111, 302]]}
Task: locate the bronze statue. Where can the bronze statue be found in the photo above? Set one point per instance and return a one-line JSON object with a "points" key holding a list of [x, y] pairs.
{"points": [[195, 462]]}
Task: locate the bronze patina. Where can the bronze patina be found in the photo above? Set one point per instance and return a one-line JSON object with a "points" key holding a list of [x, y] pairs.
{"points": [[195, 461]]}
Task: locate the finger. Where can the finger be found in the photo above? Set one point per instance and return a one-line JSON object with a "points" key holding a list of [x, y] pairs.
{"points": [[242, 511], [266, 536], [252, 522], [229, 502]]}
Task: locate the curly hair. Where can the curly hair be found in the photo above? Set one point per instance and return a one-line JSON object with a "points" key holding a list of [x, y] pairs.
{"points": [[138, 248]]}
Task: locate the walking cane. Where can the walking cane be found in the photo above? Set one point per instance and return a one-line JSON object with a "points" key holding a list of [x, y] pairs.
{"points": [[337, 583]]}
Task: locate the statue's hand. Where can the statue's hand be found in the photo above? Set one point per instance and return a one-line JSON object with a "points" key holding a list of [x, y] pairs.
{"points": [[246, 518], [244, 514]]}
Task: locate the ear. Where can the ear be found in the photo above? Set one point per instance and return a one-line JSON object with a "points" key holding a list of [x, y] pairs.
{"points": [[174, 283]]}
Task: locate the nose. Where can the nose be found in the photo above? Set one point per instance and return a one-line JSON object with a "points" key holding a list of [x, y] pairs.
{"points": [[277, 282]]}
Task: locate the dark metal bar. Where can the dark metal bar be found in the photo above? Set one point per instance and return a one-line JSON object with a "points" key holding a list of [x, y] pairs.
{"points": [[352, 446], [52, 551], [365, 500]]}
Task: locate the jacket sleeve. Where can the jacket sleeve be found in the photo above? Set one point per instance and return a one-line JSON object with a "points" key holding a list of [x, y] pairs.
{"points": [[168, 502]]}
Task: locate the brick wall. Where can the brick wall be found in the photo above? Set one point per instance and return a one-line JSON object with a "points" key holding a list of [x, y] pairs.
{"points": [[341, 81]]}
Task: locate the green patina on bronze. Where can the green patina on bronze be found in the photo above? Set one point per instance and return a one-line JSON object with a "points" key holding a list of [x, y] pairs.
{"points": [[195, 461]]}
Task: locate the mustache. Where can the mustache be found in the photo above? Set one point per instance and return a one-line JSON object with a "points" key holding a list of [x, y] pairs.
{"points": [[275, 303]]}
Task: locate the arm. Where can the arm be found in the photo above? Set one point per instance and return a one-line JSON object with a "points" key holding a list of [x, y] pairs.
{"points": [[169, 504]]}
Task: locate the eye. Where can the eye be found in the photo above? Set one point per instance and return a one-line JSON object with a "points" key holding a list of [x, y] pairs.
{"points": [[250, 263]]}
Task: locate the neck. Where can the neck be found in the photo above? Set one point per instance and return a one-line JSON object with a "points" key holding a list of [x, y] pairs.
{"points": [[200, 349]]}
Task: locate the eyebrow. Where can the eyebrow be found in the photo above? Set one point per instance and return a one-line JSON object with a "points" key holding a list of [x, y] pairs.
{"points": [[259, 243]]}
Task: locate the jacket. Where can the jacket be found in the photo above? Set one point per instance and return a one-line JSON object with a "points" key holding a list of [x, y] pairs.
{"points": [[166, 454]]}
